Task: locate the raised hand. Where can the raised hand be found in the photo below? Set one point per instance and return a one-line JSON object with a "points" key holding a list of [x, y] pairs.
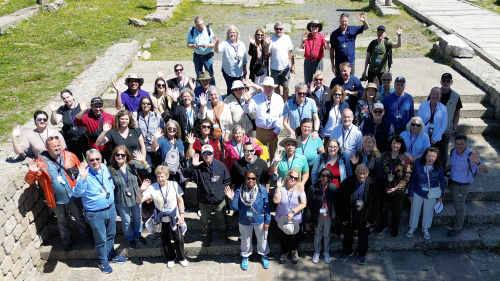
{"points": [[327, 37], [312, 87], [83, 172], [247, 95], [174, 94], [107, 126], [315, 135], [475, 157], [52, 106], [229, 193], [145, 184], [375, 80], [279, 184], [277, 156], [190, 138], [196, 160], [138, 156], [203, 100], [215, 40], [354, 159], [83, 105], [115, 86], [158, 133], [267, 39], [33, 166], [304, 36], [17, 132], [251, 39], [191, 83], [362, 16], [399, 30], [159, 72]]}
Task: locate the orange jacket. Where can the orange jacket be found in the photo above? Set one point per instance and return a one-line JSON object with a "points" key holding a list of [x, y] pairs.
{"points": [[43, 177]]}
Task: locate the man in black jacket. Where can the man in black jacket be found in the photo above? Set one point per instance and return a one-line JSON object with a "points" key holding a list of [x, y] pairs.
{"points": [[211, 177], [249, 161], [358, 205]]}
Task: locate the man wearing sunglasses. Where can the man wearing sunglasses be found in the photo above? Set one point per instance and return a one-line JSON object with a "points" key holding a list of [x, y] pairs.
{"points": [[314, 44], [211, 178], [50, 169], [343, 42], [350, 83], [378, 126], [95, 185], [249, 161], [298, 109]]}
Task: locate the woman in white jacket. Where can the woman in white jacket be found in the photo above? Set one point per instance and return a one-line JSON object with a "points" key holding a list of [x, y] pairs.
{"points": [[217, 112], [434, 115]]}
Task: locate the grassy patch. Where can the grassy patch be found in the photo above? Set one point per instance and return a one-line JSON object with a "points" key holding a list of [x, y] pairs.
{"points": [[492, 5], [10, 6]]}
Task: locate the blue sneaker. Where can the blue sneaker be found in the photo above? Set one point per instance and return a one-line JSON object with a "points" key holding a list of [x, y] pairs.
{"points": [[118, 259], [265, 262], [105, 268], [344, 257], [244, 263], [361, 260]]}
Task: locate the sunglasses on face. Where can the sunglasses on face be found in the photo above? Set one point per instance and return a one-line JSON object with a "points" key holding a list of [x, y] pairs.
{"points": [[278, 29], [415, 125], [133, 81], [258, 35], [251, 179], [94, 160], [301, 94], [386, 79], [172, 129], [292, 178], [160, 85], [123, 155], [207, 153], [41, 120], [314, 25], [179, 69], [239, 89], [53, 138], [337, 95], [145, 103], [344, 15], [249, 150], [97, 106], [325, 176], [318, 79], [378, 111], [206, 127]]}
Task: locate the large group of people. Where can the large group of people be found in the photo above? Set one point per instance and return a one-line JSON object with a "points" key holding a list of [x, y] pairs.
{"points": [[351, 152]]}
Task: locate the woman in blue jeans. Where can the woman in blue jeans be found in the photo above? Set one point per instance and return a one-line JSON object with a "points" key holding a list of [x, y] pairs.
{"points": [[427, 174], [123, 171]]}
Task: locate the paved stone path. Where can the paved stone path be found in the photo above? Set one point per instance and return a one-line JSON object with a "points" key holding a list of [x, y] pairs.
{"points": [[407, 265]]}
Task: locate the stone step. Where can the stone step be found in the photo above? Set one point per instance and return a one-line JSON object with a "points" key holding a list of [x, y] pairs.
{"points": [[479, 96], [472, 237], [483, 126], [472, 110]]}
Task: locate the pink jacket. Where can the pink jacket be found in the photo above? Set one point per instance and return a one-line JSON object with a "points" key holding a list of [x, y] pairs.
{"points": [[232, 155]]}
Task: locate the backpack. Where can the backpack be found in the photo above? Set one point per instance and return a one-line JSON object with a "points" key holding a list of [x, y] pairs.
{"points": [[208, 29], [387, 49], [468, 162]]}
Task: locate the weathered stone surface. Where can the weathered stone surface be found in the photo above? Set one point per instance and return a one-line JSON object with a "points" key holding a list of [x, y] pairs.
{"points": [[17, 268], [3, 218], [9, 243], [165, 3], [51, 7], [16, 252], [18, 231], [270, 28], [42, 2], [6, 264], [60, 3], [300, 24], [137, 22], [159, 16], [146, 55], [456, 47], [10, 225]]}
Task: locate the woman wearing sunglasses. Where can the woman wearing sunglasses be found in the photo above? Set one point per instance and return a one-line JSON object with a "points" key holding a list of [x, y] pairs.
{"points": [[203, 134], [252, 202], [319, 92], [161, 100], [416, 139], [291, 200], [148, 121], [259, 66], [73, 135], [185, 113], [213, 109], [35, 139], [124, 172], [330, 114], [234, 150], [365, 104], [181, 81]]}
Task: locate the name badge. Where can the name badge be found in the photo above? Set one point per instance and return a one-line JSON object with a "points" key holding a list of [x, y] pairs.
{"points": [[359, 204], [103, 190], [275, 177], [377, 60], [60, 180], [424, 187], [214, 178], [289, 210], [322, 211], [390, 177], [167, 209], [249, 214], [344, 45], [216, 126]]}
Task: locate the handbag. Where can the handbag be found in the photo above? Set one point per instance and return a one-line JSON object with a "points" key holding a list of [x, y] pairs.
{"points": [[254, 126], [72, 172], [151, 226], [434, 192], [258, 70]]}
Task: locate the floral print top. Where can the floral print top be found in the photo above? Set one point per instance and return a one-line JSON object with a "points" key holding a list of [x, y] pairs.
{"points": [[363, 111], [401, 170]]}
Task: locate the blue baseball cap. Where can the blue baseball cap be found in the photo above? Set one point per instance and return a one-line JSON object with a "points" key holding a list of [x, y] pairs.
{"points": [[400, 79]]}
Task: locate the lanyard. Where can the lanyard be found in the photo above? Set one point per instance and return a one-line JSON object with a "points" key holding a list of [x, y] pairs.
{"points": [[305, 145], [216, 114], [125, 177], [235, 48], [413, 141], [361, 188], [101, 181], [149, 118], [72, 115], [346, 137], [432, 113], [337, 114], [135, 103], [211, 170], [189, 114], [392, 164], [427, 171], [101, 121], [365, 158], [298, 107], [291, 164], [268, 105], [324, 196], [399, 106], [166, 191], [290, 197], [40, 135], [181, 85], [239, 150]]}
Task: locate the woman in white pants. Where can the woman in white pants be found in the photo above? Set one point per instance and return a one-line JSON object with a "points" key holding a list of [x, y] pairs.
{"points": [[426, 188]]}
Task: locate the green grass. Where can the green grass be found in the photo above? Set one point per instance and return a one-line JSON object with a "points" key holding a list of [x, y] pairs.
{"points": [[492, 5], [10, 6]]}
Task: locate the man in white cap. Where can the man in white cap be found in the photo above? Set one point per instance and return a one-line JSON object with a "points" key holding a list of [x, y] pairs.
{"points": [[235, 102], [378, 126], [131, 98], [211, 177], [268, 109]]}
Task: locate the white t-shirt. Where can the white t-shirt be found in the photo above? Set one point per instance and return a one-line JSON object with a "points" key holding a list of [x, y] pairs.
{"points": [[167, 193], [280, 47]]}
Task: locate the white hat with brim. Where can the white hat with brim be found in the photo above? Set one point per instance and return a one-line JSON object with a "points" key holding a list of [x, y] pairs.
{"points": [[237, 84], [134, 76], [269, 81], [297, 142], [288, 227]]}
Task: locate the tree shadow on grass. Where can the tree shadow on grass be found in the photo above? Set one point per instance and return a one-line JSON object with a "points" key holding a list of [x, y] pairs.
{"points": [[147, 8]]}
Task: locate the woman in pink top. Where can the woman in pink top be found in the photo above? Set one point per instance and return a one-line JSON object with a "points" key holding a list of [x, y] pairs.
{"points": [[233, 149]]}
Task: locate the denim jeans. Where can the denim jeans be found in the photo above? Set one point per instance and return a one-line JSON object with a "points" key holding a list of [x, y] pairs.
{"points": [[310, 68], [103, 224], [322, 231], [131, 230], [204, 62], [229, 81], [62, 212]]}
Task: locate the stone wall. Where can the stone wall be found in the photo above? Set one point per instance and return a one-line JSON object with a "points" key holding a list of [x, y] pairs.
{"points": [[23, 227]]}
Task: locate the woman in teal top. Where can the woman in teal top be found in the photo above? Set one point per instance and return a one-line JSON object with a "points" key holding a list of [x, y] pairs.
{"points": [[310, 147]]}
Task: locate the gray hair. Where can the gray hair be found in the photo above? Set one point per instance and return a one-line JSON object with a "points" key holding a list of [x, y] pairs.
{"points": [[419, 121], [278, 23], [183, 91], [300, 85], [236, 128], [198, 20], [347, 110], [213, 88], [92, 151], [232, 27]]}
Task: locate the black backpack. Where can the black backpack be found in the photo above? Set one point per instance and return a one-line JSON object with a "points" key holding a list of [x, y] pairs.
{"points": [[208, 29], [387, 49], [468, 162]]}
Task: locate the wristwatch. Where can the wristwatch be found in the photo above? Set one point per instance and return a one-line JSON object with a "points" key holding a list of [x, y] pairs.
{"points": [[293, 212]]}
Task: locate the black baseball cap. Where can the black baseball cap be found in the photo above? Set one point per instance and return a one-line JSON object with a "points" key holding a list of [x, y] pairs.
{"points": [[381, 27], [400, 79], [446, 75], [96, 100]]}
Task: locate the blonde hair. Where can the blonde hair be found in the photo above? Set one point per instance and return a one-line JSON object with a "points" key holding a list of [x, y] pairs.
{"points": [[232, 27], [288, 175], [364, 97], [375, 152], [318, 73], [162, 170]]}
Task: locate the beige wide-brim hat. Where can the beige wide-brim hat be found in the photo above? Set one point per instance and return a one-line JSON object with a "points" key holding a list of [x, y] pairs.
{"points": [[314, 22], [297, 142], [269, 81], [134, 76], [371, 86], [288, 227], [204, 75]]}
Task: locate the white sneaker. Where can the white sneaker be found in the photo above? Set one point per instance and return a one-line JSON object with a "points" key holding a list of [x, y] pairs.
{"points": [[410, 231], [426, 233], [184, 262], [327, 258], [315, 258], [170, 264]]}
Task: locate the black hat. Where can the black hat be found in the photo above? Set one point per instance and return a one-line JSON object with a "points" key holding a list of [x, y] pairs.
{"points": [[446, 75], [400, 79], [96, 100], [381, 27]]}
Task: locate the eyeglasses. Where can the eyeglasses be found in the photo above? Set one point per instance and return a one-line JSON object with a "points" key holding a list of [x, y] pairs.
{"points": [[293, 178], [415, 125], [378, 111], [325, 176], [97, 106], [251, 179], [278, 29], [53, 138], [258, 35], [94, 160], [301, 94], [170, 129], [386, 79], [337, 95], [206, 127], [160, 85], [133, 81], [314, 25], [145, 103], [123, 155], [344, 15], [318, 79], [239, 89], [207, 153], [249, 150], [41, 120], [179, 69]]}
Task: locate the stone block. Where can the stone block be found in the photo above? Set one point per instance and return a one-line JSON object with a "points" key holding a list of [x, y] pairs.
{"points": [[37, 241], [2, 254], [28, 190], [17, 268], [52, 7], [146, 55], [10, 225], [3, 218], [19, 197], [164, 3], [25, 256], [25, 239], [25, 272], [30, 216], [159, 16], [44, 233], [16, 252], [32, 231], [18, 177], [35, 257], [300, 24], [456, 47], [9, 191], [6, 264], [42, 2], [30, 201], [18, 231], [137, 22], [3, 201], [2, 239], [19, 214], [60, 3], [40, 205], [9, 243], [39, 223], [432, 28]]}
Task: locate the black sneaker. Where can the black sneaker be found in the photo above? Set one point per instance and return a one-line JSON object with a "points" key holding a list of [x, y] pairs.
{"points": [[394, 232], [380, 229], [207, 241], [68, 247], [132, 244], [453, 233], [224, 238], [141, 241]]}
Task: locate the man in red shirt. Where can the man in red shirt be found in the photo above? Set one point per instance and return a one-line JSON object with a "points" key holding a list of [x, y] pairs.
{"points": [[93, 120], [314, 44]]}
